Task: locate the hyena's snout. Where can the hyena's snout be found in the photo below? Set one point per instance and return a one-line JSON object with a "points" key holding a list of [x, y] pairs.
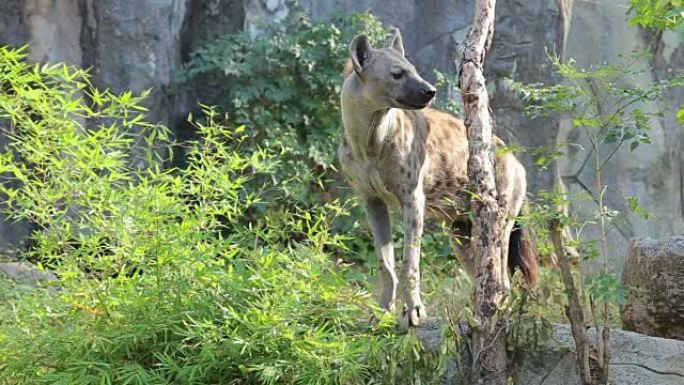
{"points": [[418, 94], [428, 92]]}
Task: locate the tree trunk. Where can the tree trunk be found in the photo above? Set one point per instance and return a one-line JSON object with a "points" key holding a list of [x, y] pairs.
{"points": [[489, 337]]}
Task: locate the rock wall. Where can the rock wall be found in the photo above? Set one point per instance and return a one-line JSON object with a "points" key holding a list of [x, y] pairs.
{"points": [[139, 45], [636, 359], [12, 28], [54, 30]]}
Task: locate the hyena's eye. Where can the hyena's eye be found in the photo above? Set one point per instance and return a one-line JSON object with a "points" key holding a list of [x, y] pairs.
{"points": [[398, 74]]}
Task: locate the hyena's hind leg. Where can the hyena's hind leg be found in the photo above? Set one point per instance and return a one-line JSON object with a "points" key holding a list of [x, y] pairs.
{"points": [[459, 239], [379, 221]]}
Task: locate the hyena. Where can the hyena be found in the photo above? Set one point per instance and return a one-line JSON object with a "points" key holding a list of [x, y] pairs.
{"points": [[398, 154]]}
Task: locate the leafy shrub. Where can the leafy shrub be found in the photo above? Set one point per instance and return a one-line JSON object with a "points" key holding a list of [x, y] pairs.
{"points": [[164, 277], [657, 14]]}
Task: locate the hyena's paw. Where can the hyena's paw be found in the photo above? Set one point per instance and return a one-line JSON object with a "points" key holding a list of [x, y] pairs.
{"points": [[413, 317]]}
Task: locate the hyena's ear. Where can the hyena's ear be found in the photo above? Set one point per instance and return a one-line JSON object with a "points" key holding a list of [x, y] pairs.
{"points": [[396, 42], [360, 50]]}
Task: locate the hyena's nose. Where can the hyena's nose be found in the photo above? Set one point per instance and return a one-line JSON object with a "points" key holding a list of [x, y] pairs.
{"points": [[430, 91]]}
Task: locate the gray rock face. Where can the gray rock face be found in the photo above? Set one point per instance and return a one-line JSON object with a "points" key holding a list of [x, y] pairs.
{"points": [[54, 30], [25, 273], [208, 20], [524, 32], [136, 46], [12, 28], [205, 22], [654, 275], [636, 360]]}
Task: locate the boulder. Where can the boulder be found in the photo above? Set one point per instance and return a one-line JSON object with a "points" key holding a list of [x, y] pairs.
{"points": [[654, 276], [636, 360], [25, 273]]}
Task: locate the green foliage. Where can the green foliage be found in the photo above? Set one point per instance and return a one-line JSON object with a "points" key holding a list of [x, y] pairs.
{"points": [[284, 86], [657, 14], [605, 288], [635, 207], [545, 156], [531, 310], [164, 276], [600, 105]]}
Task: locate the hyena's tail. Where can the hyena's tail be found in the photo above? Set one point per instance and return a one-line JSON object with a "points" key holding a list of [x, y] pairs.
{"points": [[522, 253]]}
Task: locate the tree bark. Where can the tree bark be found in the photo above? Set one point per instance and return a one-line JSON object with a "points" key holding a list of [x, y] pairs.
{"points": [[489, 337]]}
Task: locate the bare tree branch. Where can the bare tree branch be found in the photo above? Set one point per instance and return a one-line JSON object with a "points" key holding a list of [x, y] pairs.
{"points": [[574, 311]]}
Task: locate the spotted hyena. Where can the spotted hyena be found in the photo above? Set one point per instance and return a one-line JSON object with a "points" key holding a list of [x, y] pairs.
{"points": [[398, 154]]}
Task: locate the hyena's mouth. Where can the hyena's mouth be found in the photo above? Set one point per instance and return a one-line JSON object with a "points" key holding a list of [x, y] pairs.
{"points": [[411, 106]]}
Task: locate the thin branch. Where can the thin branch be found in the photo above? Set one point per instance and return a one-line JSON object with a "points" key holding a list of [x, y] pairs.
{"points": [[574, 309]]}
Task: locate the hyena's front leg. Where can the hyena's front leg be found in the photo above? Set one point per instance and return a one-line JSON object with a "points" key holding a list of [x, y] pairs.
{"points": [[379, 221], [414, 210]]}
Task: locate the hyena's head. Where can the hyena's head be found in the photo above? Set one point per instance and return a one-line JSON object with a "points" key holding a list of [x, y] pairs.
{"points": [[386, 78]]}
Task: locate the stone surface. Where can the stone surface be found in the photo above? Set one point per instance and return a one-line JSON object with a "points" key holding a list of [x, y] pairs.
{"points": [[636, 360], [12, 28], [525, 32], [654, 277], [25, 273], [205, 22], [209, 20], [54, 28]]}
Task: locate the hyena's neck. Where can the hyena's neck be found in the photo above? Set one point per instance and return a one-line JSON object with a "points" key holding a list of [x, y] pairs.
{"points": [[366, 128]]}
